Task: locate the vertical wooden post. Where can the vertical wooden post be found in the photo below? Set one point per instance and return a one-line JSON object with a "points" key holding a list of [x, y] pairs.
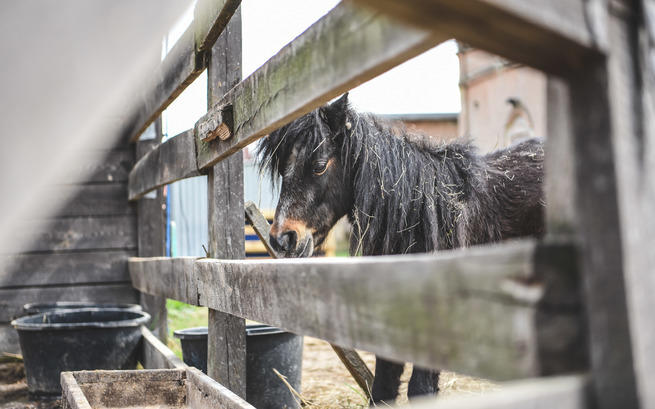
{"points": [[227, 333], [151, 231], [587, 117]]}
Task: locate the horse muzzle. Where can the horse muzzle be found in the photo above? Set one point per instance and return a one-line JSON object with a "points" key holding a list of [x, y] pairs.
{"points": [[292, 239]]}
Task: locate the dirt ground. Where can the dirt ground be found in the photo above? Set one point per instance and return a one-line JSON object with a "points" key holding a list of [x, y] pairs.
{"points": [[327, 384]]}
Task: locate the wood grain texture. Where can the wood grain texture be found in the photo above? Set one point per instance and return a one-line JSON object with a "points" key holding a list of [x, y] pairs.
{"points": [[182, 65], [12, 300], [555, 36], [23, 270], [156, 355], [100, 167], [210, 17], [169, 277], [166, 163], [357, 45], [92, 200], [632, 86], [204, 392], [563, 392], [587, 208], [503, 312], [226, 355], [82, 233], [151, 234]]}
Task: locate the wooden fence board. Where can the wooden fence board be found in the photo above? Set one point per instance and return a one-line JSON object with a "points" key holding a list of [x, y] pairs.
{"points": [[182, 64], [24, 270], [156, 355], [226, 354], [12, 300], [562, 392], [210, 18], [166, 163], [106, 199], [357, 45], [151, 233], [170, 277], [80, 233], [504, 312], [556, 36], [106, 167]]}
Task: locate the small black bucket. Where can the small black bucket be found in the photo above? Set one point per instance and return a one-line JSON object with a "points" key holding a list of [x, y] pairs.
{"points": [[37, 308], [267, 348], [78, 339], [194, 346]]}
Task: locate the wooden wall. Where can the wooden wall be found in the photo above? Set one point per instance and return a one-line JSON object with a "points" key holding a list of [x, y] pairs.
{"points": [[82, 255]]}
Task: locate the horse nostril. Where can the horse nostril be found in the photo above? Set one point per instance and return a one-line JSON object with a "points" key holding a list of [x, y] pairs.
{"points": [[287, 240]]}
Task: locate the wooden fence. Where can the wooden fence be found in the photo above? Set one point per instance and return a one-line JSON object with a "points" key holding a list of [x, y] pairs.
{"points": [[575, 302]]}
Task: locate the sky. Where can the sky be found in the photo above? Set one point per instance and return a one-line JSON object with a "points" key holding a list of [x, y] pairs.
{"points": [[425, 84]]}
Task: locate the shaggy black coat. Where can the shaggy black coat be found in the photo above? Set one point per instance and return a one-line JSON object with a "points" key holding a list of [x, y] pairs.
{"points": [[402, 192]]}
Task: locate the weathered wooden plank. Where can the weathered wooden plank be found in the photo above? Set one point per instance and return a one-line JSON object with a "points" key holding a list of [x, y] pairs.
{"points": [[180, 67], [81, 233], [204, 392], [12, 300], [210, 18], [170, 277], [556, 35], [151, 233], [563, 392], [618, 171], [72, 395], [156, 355], [634, 142], [22, 270], [92, 200], [356, 44], [166, 163], [183, 64], [226, 354], [108, 167], [585, 195], [349, 357], [505, 312]]}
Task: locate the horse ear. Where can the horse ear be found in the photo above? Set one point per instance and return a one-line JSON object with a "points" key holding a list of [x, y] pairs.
{"points": [[335, 113]]}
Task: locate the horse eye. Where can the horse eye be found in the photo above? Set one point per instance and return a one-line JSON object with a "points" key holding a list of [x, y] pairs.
{"points": [[319, 167]]}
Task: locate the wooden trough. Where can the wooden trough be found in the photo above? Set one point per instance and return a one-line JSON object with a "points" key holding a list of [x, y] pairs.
{"points": [[162, 388]]}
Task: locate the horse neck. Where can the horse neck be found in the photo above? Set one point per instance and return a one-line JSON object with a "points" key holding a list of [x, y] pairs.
{"points": [[403, 192]]}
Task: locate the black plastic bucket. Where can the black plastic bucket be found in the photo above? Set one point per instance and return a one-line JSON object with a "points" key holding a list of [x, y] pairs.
{"points": [[267, 348], [37, 308], [271, 348], [194, 346], [78, 339]]}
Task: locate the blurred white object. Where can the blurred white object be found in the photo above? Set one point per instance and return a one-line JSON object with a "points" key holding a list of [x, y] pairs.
{"points": [[69, 71]]}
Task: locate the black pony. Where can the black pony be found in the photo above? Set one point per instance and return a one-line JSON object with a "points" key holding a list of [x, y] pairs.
{"points": [[403, 193]]}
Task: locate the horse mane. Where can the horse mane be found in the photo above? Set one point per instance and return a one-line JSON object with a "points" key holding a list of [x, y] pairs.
{"points": [[410, 193]]}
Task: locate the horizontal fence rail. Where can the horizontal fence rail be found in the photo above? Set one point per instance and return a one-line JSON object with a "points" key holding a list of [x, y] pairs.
{"points": [[557, 36], [182, 65], [168, 162], [356, 43], [504, 312]]}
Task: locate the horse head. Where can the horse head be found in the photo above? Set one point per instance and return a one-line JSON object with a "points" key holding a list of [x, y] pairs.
{"points": [[306, 154]]}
